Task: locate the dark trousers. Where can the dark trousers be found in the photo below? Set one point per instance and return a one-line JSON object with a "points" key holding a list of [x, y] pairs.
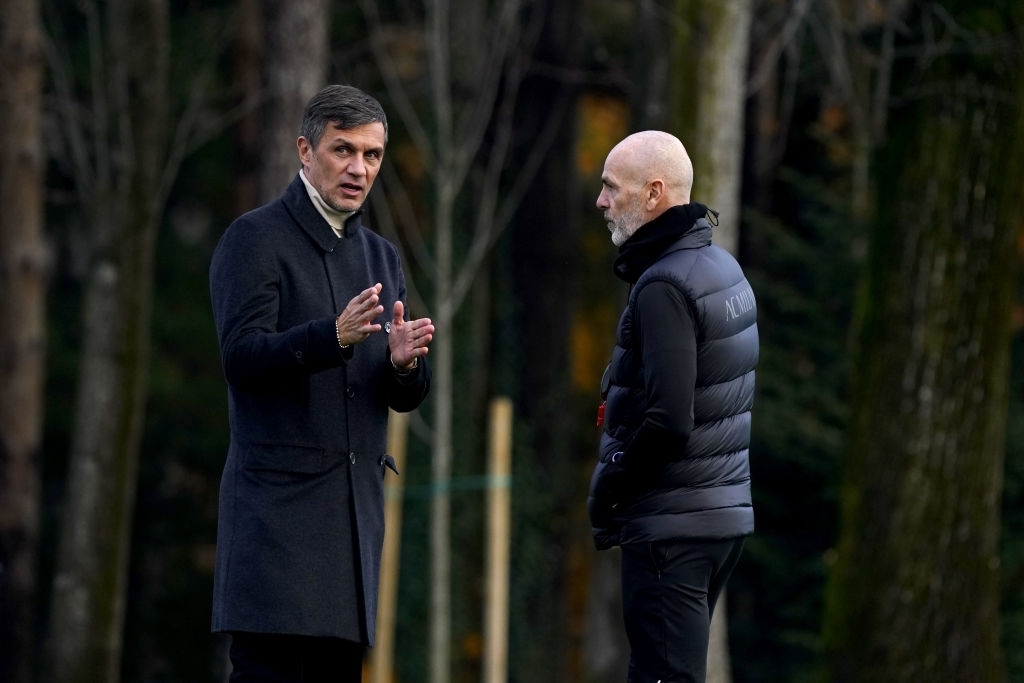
{"points": [[275, 658], [669, 589]]}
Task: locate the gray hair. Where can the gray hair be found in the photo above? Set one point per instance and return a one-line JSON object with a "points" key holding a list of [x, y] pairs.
{"points": [[343, 105]]}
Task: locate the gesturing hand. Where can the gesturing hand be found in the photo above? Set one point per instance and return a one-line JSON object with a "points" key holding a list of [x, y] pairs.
{"points": [[408, 340], [356, 322]]}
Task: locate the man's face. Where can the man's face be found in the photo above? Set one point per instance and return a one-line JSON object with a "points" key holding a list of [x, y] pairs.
{"points": [[621, 201], [344, 163]]}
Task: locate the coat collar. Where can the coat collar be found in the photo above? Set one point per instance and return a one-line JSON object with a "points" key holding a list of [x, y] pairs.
{"points": [[300, 206]]}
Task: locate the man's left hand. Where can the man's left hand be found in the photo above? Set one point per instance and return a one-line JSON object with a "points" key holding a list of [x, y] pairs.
{"points": [[408, 340]]}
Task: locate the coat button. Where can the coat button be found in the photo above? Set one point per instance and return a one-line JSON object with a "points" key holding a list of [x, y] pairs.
{"points": [[351, 392], [352, 457]]}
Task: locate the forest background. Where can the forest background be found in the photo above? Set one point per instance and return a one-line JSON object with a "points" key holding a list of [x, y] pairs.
{"points": [[866, 158]]}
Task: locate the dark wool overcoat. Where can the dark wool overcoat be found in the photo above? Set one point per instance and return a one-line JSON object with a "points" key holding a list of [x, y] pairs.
{"points": [[301, 512]]}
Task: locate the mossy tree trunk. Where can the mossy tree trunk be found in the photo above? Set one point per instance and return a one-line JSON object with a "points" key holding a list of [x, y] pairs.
{"points": [[708, 94], [914, 592]]}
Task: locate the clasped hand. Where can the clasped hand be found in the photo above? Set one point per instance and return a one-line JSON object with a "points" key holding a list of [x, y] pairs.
{"points": [[407, 340]]}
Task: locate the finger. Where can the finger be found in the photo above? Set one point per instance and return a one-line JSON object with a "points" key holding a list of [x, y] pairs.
{"points": [[366, 310], [421, 328], [369, 294], [371, 300]]}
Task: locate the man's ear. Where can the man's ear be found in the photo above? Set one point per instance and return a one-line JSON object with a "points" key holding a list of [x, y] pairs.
{"points": [[305, 150], [655, 193]]}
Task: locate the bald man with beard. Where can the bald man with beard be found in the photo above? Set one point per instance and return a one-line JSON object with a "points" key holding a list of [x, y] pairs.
{"points": [[672, 483]]}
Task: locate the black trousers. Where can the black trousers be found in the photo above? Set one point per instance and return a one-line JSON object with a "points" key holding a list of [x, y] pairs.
{"points": [[276, 658], [669, 589]]}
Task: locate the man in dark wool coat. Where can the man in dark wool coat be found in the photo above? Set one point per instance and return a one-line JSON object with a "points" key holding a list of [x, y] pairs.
{"points": [[672, 484], [313, 362]]}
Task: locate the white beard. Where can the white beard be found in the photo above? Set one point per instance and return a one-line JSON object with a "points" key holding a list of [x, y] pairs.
{"points": [[627, 224]]}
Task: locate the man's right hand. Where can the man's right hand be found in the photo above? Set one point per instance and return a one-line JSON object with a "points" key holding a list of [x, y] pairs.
{"points": [[355, 323]]}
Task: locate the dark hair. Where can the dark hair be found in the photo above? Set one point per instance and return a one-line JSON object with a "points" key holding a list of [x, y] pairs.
{"points": [[343, 105]]}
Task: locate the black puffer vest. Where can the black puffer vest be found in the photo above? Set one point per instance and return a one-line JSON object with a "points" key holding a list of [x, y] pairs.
{"points": [[703, 492]]}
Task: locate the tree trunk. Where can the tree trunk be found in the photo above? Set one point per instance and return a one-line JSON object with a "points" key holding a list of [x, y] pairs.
{"points": [[123, 201], [710, 59], [713, 51], [247, 66], [649, 98], [914, 594], [24, 261], [295, 70]]}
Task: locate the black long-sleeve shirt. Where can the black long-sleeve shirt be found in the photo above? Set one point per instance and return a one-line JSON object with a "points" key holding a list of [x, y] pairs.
{"points": [[668, 346]]}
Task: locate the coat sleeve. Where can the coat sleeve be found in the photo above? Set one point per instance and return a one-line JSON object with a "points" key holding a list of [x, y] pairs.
{"points": [[407, 391], [245, 285]]}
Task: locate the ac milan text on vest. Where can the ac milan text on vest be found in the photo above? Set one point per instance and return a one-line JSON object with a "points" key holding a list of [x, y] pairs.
{"points": [[738, 304]]}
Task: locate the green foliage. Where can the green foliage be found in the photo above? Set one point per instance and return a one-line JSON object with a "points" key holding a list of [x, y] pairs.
{"points": [[803, 274]]}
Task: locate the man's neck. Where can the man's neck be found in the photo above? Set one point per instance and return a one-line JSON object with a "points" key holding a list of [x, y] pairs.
{"points": [[336, 219]]}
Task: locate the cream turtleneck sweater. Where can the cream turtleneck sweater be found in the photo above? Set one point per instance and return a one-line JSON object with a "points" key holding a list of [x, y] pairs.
{"points": [[336, 219]]}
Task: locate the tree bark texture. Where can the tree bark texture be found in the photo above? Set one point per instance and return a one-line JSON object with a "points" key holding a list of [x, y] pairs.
{"points": [[295, 70], [122, 202], [914, 594], [24, 262], [708, 102], [248, 54]]}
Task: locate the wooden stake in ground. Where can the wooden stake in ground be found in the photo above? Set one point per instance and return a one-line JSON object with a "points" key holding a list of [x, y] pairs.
{"points": [[498, 537], [382, 654]]}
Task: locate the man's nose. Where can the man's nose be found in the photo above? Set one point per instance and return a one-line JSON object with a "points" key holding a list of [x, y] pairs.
{"points": [[357, 165]]}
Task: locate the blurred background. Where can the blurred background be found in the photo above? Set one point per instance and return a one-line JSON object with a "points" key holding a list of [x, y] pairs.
{"points": [[866, 159]]}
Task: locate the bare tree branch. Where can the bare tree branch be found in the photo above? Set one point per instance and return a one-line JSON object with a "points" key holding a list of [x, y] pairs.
{"points": [[396, 197], [72, 123], [496, 49], [396, 91], [769, 60], [492, 219]]}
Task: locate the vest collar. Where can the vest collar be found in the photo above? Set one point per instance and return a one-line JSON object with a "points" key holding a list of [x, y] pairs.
{"points": [[681, 227]]}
